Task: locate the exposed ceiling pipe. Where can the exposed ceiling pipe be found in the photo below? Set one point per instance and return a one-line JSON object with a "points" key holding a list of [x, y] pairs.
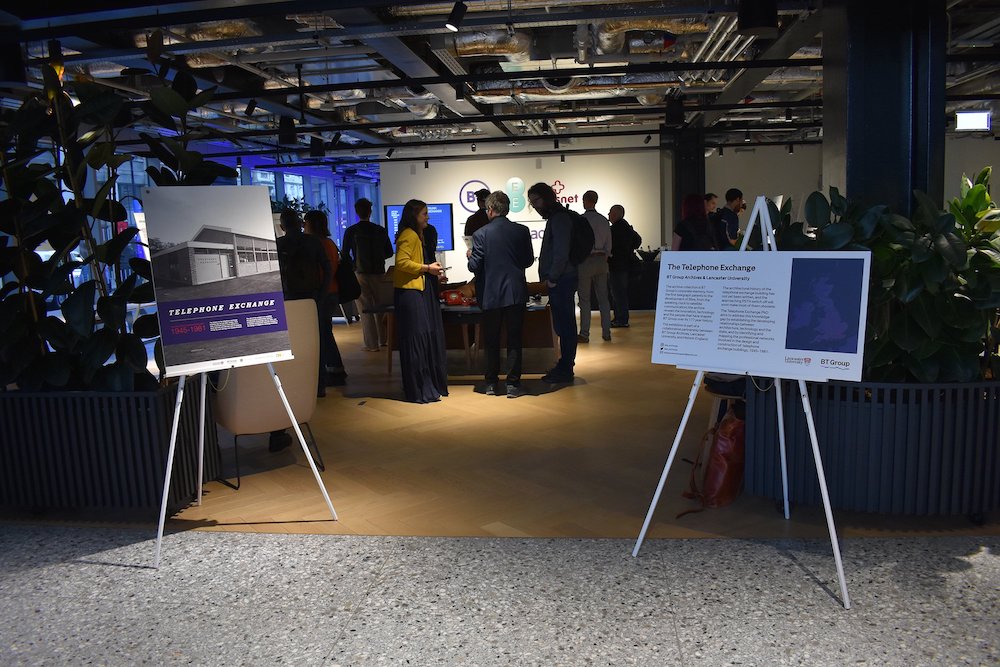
{"points": [[493, 43], [699, 55], [611, 34]]}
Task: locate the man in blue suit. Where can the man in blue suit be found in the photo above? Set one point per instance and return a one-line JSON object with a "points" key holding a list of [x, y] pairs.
{"points": [[500, 253]]}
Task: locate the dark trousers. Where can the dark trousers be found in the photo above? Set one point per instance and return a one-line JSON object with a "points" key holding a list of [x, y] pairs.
{"points": [[510, 318], [619, 294], [561, 301], [329, 353]]}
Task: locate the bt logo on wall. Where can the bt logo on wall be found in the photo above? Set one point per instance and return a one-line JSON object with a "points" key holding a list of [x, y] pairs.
{"points": [[514, 187]]}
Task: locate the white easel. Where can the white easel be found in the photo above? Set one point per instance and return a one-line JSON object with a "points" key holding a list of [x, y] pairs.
{"points": [[201, 450], [761, 213]]}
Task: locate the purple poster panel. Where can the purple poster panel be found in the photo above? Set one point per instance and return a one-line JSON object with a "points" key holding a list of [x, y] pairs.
{"points": [[215, 277]]}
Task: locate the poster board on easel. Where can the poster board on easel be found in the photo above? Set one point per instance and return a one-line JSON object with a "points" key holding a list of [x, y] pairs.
{"points": [[215, 277], [792, 315], [218, 294]]}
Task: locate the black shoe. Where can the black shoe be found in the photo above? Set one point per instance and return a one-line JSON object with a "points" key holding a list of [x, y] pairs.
{"points": [[557, 376], [516, 391], [490, 389], [321, 392], [278, 441], [607, 338], [580, 338], [619, 325]]}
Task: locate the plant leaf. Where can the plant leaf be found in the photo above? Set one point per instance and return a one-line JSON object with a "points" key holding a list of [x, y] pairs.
{"points": [[168, 101], [78, 309], [817, 210], [132, 351], [147, 326]]}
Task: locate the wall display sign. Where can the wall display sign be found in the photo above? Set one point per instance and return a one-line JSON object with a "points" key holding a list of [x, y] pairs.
{"points": [[795, 315], [438, 215], [215, 277]]}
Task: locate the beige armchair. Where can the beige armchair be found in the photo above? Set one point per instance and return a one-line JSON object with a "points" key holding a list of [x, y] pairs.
{"points": [[247, 401]]}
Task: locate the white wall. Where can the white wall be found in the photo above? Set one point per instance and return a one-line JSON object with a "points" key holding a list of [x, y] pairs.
{"points": [[629, 178]]}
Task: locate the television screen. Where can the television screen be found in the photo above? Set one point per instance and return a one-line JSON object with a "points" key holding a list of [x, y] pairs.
{"points": [[439, 215]]}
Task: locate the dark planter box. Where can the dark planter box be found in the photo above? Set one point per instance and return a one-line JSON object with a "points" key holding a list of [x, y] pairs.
{"points": [[889, 448], [100, 454]]}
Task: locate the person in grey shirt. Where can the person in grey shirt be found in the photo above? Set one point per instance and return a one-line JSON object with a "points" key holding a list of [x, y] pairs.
{"points": [[594, 271]]}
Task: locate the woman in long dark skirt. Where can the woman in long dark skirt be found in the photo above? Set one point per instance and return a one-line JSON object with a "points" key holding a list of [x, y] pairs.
{"points": [[420, 332]]}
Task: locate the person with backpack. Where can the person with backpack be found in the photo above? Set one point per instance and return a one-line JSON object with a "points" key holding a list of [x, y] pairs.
{"points": [[560, 276], [368, 246], [594, 271], [331, 364], [624, 242]]}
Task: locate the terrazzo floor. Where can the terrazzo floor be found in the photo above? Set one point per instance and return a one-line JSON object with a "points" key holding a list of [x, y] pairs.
{"points": [[75, 596]]}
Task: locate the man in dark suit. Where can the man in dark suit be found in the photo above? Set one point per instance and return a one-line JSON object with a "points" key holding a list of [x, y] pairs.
{"points": [[500, 253]]}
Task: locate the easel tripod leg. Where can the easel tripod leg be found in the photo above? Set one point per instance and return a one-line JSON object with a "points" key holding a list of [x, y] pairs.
{"points": [[781, 445], [807, 408], [302, 440], [170, 467], [670, 462], [201, 435]]}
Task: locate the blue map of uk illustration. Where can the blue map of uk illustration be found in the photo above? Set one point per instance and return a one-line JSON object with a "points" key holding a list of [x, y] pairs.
{"points": [[824, 305]]}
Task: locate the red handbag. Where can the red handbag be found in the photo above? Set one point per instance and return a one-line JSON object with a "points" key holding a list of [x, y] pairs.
{"points": [[722, 480]]}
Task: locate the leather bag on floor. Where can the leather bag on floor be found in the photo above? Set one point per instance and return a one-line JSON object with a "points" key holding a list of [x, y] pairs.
{"points": [[720, 465]]}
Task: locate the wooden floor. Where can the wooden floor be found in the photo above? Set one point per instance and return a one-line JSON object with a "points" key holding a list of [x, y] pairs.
{"points": [[581, 461]]}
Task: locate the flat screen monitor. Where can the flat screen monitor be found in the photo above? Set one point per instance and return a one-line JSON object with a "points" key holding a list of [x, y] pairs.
{"points": [[439, 215]]}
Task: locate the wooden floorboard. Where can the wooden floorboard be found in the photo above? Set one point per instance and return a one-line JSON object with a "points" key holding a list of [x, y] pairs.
{"points": [[580, 461]]}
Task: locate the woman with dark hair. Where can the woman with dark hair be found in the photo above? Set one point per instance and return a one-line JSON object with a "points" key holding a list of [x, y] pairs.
{"points": [[694, 231], [419, 329], [331, 364]]}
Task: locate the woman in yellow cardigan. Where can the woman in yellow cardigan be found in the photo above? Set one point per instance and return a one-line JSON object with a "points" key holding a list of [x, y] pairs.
{"points": [[419, 328]]}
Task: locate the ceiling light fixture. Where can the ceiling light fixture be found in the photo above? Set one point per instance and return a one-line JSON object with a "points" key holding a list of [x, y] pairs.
{"points": [[457, 14], [251, 105], [555, 144], [427, 165], [286, 132], [336, 139], [648, 138], [791, 149], [562, 158], [473, 147], [788, 115], [746, 137], [722, 151], [56, 60], [389, 152], [316, 148], [545, 126]]}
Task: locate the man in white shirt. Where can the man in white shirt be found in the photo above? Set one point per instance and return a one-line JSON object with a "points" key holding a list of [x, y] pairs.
{"points": [[594, 270]]}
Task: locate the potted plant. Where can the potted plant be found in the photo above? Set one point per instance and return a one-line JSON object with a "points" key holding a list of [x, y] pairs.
{"points": [[83, 424], [920, 434]]}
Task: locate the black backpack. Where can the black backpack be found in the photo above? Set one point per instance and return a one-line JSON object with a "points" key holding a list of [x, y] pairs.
{"points": [[301, 271], [581, 238], [348, 287]]}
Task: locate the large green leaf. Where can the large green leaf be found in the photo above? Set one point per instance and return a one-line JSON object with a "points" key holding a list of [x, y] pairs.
{"points": [[906, 333], [154, 46], [118, 376], [78, 309], [107, 209], [817, 210], [99, 154], [908, 286], [168, 101], [147, 326], [983, 177], [96, 350], [952, 248], [99, 110], [112, 311], [926, 212], [56, 368], [57, 333], [836, 236], [141, 267], [924, 314], [110, 252], [185, 86], [142, 294], [924, 370], [132, 351], [160, 150], [868, 222], [102, 195]]}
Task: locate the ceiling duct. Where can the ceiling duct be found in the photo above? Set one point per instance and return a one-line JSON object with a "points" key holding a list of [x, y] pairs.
{"points": [[493, 43], [611, 34], [583, 88]]}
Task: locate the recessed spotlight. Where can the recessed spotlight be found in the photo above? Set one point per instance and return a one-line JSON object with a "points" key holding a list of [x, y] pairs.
{"points": [[389, 152], [648, 138], [562, 158], [473, 147], [251, 105]]}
